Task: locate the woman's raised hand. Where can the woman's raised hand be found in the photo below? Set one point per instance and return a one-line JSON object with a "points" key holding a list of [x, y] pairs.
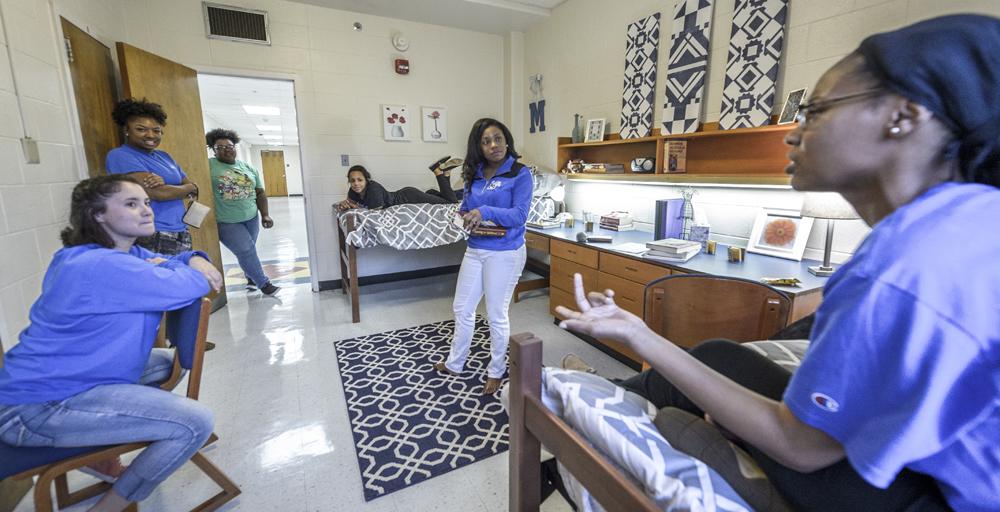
{"points": [[599, 316], [208, 270]]}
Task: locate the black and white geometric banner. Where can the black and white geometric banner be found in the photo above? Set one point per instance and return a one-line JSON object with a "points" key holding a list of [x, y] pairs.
{"points": [[687, 66], [641, 52], [754, 54]]}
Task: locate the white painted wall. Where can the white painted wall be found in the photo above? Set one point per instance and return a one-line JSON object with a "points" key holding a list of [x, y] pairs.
{"points": [[580, 50]]}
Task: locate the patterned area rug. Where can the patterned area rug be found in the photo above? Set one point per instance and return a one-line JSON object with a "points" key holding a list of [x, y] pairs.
{"points": [[411, 423]]}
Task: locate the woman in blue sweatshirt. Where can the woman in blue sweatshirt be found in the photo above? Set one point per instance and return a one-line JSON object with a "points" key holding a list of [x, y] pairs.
{"points": [[497, 190], [75, 377]]}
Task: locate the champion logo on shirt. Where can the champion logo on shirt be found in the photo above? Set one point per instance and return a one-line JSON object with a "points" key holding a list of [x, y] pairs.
{"points": [[825, 402], [495, 184]]}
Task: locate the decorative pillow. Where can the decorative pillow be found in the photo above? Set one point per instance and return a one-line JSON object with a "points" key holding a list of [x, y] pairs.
{"points": [[619, 424], [787, 353]]}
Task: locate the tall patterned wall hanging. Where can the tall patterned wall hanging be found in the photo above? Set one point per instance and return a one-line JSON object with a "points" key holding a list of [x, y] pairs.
{"points": [[754, 53], [687, 66], [641, 52]]}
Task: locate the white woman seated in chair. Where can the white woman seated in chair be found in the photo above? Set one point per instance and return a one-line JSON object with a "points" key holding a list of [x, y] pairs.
{"points": [[898, 390], [75, 378]]}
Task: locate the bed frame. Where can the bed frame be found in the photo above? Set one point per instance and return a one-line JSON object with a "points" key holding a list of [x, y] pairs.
{"points": [[533, 425], [349, 268]]}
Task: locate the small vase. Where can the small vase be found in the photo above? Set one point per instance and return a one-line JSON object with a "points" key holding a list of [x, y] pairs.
{"points": [[577, 132], [397, 131], [436, 134]]}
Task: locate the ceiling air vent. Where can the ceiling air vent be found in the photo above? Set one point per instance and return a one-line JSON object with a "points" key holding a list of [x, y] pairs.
{"points": [[235, 23]]}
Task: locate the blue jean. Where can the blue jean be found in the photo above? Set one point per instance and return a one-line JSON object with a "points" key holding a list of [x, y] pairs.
{"points": [[241, 238], [118, 414]]}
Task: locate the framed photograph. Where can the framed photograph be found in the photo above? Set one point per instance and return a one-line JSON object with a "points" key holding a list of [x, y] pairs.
{"points": [[434, 124], [396, 122], [791, 107], [595, 130], [781, 233]]}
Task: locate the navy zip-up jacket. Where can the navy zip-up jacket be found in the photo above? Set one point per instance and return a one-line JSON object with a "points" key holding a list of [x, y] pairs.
{"points": [[504, 200]]}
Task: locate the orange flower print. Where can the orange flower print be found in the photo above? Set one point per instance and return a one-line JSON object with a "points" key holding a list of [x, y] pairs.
{"points": [[779, 233]]}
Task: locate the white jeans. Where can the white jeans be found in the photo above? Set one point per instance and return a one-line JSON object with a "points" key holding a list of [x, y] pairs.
{"points": [[494, 273]]}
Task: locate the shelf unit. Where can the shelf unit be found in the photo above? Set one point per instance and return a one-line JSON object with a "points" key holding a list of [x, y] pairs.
{"points": [[743, 156]]}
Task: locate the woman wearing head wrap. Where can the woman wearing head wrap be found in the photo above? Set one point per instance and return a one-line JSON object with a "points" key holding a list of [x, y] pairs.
{"points": [[902, 378]]}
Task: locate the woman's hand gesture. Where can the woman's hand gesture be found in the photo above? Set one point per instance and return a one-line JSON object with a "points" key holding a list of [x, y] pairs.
{"points": [[346, 204], [472, 219], [208, 270], [599, 316]]}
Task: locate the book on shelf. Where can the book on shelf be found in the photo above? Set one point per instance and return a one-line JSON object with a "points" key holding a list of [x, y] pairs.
{"points": [[658, 256], [676, 156], [597, 168], [544, 224], [673, 245], [618, 227], [616, 218]]}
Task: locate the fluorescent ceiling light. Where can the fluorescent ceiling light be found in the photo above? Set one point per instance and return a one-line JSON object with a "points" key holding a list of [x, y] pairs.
{"points": [[255, 110], [275, 143], [278, 137], [269, 127]]}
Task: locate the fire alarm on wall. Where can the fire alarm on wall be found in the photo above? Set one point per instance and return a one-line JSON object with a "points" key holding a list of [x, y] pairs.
{"points": [[402, 66]]}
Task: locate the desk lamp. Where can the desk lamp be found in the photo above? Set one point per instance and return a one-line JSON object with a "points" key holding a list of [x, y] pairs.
{"points": [[830, 206]]}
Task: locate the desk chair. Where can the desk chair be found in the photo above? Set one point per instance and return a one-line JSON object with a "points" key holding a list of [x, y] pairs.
{"points": [[186, 329], [689, 308]]}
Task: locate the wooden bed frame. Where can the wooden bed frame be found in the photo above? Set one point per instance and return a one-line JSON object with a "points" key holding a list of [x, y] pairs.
{"points": [[533, 425], [349, 267]]}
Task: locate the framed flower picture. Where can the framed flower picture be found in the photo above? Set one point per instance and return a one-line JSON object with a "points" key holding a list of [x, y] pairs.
{"points": [[396, 122], [434, 121], [781, 233]]}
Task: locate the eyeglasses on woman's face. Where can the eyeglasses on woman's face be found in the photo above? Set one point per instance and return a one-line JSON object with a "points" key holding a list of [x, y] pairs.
{"points": [[224, 147], [810, 109]]}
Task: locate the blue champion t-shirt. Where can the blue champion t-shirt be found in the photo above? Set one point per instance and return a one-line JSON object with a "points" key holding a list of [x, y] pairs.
{"points": [[504, 200], [904, 364], [167, 215]]}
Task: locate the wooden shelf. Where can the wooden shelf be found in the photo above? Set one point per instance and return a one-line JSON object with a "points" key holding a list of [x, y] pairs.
{"points": [[715, 179], [750, 156]]}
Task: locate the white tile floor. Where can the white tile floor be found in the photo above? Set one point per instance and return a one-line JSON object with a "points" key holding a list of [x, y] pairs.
{"points": [[279, 407]]}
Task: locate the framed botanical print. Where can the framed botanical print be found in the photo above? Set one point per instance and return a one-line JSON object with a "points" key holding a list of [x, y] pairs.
{"points": [[781, 233]]}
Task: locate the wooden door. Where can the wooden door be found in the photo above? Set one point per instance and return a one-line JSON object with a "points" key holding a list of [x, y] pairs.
{"points": [[175, 87], [273, 163], [93, 76]]}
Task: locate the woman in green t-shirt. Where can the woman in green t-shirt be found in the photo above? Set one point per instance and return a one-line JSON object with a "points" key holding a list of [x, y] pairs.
{"points": [[239, 195]]}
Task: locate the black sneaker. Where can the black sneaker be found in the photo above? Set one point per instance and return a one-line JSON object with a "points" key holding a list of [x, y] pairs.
{"points": [[251, 286], [269, 289]]}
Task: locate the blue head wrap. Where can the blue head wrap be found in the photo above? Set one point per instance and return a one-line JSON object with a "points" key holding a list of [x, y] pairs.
{"points": [[951, 65]]}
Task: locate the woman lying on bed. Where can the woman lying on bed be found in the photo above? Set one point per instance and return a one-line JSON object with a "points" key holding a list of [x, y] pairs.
{"points": [[900, 386], [368, 193]]}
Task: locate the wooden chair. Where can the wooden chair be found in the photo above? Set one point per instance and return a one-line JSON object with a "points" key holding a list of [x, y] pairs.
{"points": [[690, 308], [186, 328]]}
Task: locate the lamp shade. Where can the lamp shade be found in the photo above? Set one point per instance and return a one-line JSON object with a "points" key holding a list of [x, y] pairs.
{"points": [[827, 205]]}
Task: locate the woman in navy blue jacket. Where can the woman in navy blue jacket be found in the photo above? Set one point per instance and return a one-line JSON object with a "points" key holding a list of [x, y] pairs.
{"points": [[497, 190]]}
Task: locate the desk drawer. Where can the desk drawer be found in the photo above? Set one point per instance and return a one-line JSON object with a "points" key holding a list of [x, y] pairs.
{"points": [[561, 275], [537, 242], [573, 252], [629, 295], [558, 297], [632, 270]]}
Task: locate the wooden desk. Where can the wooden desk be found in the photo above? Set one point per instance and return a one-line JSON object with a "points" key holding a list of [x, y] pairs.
{"points": [[604, 267]]}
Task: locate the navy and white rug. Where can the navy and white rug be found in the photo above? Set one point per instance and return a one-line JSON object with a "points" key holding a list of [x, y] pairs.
{"points": [[754, 54], [411, 423], [642, 40], [687, 66]]}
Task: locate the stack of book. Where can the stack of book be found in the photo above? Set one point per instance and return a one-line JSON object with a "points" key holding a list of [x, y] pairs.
{"points": [[604, 168], [544, 224], [617, 221], [672, 249]]}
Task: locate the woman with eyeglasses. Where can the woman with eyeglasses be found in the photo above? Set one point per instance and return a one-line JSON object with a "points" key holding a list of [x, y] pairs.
{"points": [[896, 405], [239, 196], [497, 190], [163, 180]]}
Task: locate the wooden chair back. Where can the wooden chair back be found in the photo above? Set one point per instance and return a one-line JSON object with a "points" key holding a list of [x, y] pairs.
{"points": [[690, 308]]}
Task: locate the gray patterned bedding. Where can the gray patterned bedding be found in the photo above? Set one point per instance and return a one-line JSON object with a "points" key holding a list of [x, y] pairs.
{"points": [[414, 226]]}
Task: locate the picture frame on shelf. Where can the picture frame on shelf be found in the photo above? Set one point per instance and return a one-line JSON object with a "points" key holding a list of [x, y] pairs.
{"points": [[434, 123], [595, 130], [781, 233], [791, 107]]}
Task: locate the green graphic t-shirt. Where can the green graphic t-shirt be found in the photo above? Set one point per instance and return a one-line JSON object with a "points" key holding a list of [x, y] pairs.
{"points": [[233, 185]]}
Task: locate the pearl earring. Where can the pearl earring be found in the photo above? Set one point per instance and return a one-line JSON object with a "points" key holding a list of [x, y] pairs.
{"points": [[894, 130]]}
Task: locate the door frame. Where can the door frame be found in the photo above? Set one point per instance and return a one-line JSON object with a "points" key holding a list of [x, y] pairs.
{"points": [[303, 161]]}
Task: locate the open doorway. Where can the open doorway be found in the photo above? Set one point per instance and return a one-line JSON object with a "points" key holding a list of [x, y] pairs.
{"points": [[262, 113]]}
